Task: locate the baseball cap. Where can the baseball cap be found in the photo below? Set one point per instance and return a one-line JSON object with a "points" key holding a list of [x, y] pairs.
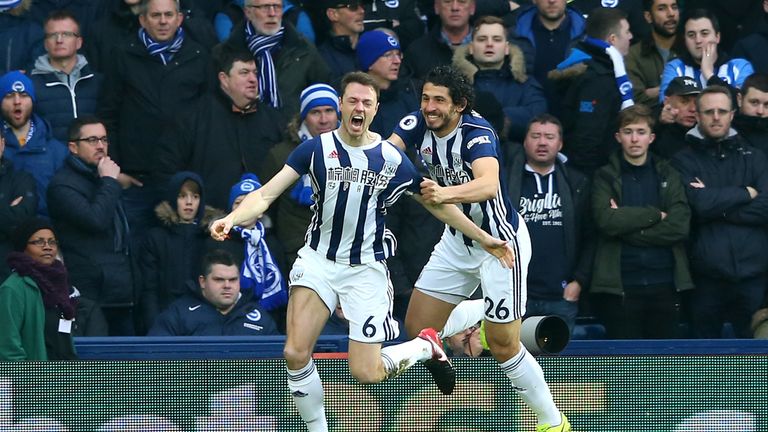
{"points": [[682, 86]]}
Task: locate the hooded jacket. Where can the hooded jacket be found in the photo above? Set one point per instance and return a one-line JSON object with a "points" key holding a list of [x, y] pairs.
{"points": [[520, 96], [638, 226], [172, 253], [728, 235], [62, 97], [193, 315]]}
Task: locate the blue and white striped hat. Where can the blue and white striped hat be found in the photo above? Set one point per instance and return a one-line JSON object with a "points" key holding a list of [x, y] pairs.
{"points": [[318, 95], [8, 4]]}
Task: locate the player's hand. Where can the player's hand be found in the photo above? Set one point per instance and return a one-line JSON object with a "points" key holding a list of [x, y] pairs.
{"points": [[220, 228], [431, 192], [501, 250]]}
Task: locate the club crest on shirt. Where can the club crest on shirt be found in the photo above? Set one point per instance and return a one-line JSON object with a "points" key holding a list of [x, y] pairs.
{"points": [[457, 160], [389, 169], [254, 315]]}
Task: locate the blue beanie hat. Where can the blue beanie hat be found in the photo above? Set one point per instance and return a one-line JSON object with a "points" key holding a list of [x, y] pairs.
{"points": [[247, 184], [318, 95], [8, 4], [372, 45], [16, 82]]}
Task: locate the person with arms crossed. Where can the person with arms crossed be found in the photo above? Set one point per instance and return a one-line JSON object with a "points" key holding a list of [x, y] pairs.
{"points": [[355, 177], [460, 150]]}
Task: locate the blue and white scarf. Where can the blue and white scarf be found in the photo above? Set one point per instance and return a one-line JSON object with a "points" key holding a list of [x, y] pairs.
{"points": [[260, 272], [619, 71], [261, 46], [164, 50]]}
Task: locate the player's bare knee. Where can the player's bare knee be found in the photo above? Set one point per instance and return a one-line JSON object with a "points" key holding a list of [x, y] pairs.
{"points": [[296, 357], [503, 348], [366, 374]]}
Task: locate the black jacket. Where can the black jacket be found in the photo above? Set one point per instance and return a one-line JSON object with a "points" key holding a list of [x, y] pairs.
{"points": [[728, 235], [754, 130], [93, 232], [13, 184], [339, 55], [575, 189], [670, 139], [383, 13], [426, 52], [221, 145], [193, 315], [142, 96]]}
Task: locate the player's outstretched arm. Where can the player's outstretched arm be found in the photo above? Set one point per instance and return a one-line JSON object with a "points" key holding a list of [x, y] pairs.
{"points": [[451, 215], [255, 203], [483, 187]]}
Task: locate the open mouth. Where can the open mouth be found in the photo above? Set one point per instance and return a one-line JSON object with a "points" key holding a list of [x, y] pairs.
{"points": [[356, 121]]}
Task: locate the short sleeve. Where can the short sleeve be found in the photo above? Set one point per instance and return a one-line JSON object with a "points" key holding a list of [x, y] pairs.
{"points": [[411, 129], [301, 157]]}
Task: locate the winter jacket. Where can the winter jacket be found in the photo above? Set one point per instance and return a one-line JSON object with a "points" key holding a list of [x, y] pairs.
{"points": [[728, 235], [339, 55], [22, 327], [41, 157], [171, 256], [193, 315], [62, 97], [522, 33], [670, 139], [638, 226], [93, 233], [384, 13], [21, 42], [644, 67], [120, 25], [213, 136], [728, 72], [754, 130], [297, 65], [13, 184], [232, 13], [426, 52], [753, 48], [590, 107], [520, 96], [142, 96], [577, 224]]}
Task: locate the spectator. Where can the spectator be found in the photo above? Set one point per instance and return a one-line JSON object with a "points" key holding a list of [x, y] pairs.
{"points": [[752, 119], [121, 23], [172, 253], [436, 47], [553, 199], [345, 18], [21, 38], [19, 202], [379, 54], [633, 9], [287, 62], [215, 306], [399, 17], [702, 59], [93, 228], [646, 60], [598, 91], [754, 46], [319, 114], [37, 302], [66, 85], [497, 67], [28, 140], [232, 13], [228, 127], [725, 181], [154, 76], [677, 116], [642, 217], [545, 32]]}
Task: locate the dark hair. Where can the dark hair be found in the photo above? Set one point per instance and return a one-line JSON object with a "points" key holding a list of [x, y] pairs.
{"points": [[60, 15], [73, 133], [648, 4], [457, 83], [636, 114], [757, 81], [488, 20], [359, 78], [602, 22], [224, 56], [699, 14], [715, 89], [217, 256], [545, 118]]}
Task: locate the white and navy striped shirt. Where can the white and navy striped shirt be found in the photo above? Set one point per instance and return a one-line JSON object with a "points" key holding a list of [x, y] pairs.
{"points": [[449, 161], [353, 187]]}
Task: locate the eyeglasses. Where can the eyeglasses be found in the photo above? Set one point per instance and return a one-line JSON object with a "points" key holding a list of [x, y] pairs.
{"points": [[391, 55], [63, 35], [41, 242], [275, 7], [93, 140]]}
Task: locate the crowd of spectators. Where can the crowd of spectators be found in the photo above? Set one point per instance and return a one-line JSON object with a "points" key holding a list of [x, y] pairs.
{"points": [[130, 124]]}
